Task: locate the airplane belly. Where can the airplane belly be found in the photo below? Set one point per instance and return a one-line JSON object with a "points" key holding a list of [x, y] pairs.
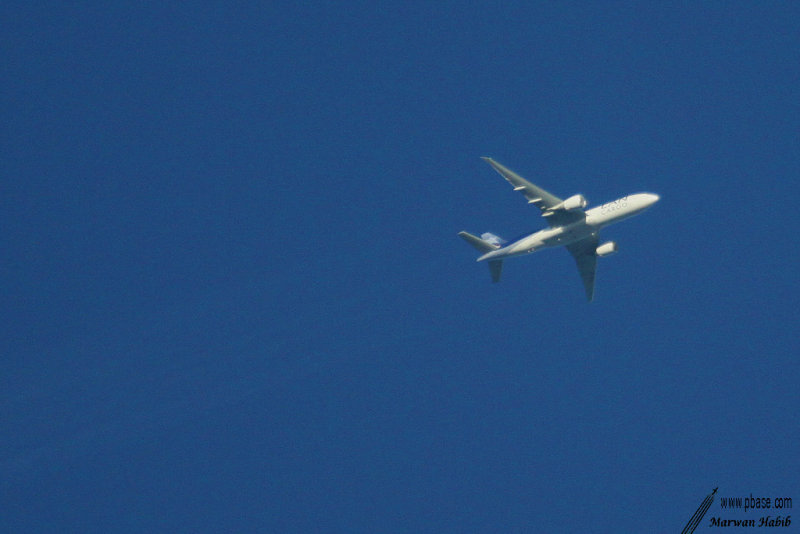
{"points": [[568, 235], [526, 246]]}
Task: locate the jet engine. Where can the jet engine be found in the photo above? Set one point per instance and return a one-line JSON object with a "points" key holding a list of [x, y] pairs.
{"points": [[606, 249], [572, 203]]}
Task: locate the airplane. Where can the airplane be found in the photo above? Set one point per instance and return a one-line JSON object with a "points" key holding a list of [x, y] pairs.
{"points": [[571, 226]]}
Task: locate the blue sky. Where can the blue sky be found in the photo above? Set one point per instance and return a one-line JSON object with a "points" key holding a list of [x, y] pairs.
{"points": [[235, 299]]}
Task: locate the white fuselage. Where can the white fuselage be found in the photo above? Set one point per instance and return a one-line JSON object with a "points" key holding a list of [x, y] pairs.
{"points": [[596, 218]]}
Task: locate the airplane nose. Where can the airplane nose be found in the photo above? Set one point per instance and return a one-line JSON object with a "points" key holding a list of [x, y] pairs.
{"points": [[653, 198]]}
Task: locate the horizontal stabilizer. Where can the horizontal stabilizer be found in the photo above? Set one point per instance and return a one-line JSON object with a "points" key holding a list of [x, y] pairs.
{"points": [[479, 244]]}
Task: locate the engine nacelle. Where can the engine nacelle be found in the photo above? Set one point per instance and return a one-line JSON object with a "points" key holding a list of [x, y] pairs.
{"points": [[606, 249], [572, 203]]}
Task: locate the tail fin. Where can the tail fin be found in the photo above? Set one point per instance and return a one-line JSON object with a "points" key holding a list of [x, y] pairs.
{"points": [[484, 246]]}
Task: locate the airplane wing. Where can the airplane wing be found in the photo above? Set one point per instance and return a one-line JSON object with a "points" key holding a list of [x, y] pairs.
{"points": [[586, 258], [537, 196]]}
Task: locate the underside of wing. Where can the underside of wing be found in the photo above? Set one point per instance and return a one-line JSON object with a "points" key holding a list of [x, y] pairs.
{"points": [[537, 196], [584, 252]]}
